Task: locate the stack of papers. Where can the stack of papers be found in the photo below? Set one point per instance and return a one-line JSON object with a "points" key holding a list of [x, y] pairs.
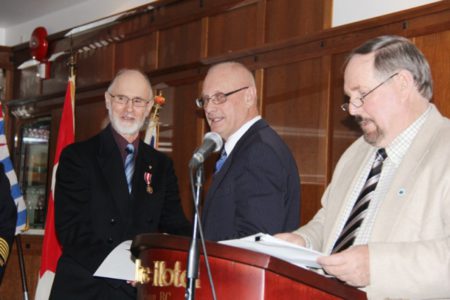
{"points": [[119, 264], [267, 244]]}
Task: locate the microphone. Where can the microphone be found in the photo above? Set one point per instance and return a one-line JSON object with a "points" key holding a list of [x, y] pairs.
{"points": [[212, 142]]}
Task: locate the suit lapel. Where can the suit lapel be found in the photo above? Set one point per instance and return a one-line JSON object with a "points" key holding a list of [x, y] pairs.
{"points": [[409, 170], [110, 162], [219, 177]]}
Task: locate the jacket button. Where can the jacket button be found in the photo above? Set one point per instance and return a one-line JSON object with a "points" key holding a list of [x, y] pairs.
{"points": [[112, 221], [110, 240]]}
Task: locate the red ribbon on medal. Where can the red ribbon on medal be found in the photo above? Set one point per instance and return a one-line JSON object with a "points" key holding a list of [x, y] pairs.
{"points": [[148, 181]]}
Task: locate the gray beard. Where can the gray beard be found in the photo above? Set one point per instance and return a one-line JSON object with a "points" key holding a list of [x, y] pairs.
{"points": [[122, 130]]}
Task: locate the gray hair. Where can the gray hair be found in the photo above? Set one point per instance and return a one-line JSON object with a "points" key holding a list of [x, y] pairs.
{"points": [[395, 52], [123, 71]]}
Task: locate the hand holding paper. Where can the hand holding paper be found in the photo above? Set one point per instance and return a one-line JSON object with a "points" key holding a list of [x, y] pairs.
{"points": [[267, 244]]}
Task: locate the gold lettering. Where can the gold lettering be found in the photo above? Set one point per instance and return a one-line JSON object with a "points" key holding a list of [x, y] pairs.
{"points": [[177, 282], [164, 295], [155, 273], [163, 276]]}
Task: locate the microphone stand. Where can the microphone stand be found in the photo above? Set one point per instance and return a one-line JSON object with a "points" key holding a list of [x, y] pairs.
{"points": [[194, 254]]}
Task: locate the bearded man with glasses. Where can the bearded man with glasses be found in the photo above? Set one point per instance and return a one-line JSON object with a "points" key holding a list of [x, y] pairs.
{"points": [[385, 218], [256, 185], [102, 194]]}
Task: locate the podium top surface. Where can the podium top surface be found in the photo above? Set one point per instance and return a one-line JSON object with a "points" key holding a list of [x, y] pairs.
{"points": [[149, 241]]}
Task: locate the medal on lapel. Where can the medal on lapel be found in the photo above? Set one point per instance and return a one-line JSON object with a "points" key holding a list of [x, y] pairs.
{"points": [[148, 181]]}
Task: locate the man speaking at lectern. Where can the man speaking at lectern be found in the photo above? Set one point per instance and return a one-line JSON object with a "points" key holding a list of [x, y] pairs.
{"points": [[385, 217], [109, 189], [256, 186]]}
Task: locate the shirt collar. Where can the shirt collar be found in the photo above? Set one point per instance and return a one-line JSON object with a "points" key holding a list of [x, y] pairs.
{"points": [[396, 150], [122, 143], [235, 137]]}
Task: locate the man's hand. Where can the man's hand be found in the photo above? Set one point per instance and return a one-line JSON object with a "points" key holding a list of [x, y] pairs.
{"points": [[351, 265], [291, 238], [132, 283]]}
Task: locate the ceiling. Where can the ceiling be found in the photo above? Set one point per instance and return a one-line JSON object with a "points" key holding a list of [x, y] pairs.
{"points": [[14, 12]]}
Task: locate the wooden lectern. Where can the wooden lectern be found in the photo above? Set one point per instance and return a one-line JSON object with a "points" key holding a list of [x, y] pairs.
{"points": [[237, 273]]}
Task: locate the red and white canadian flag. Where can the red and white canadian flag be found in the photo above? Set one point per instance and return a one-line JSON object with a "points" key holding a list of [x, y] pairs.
{"points": [[51, 249]]}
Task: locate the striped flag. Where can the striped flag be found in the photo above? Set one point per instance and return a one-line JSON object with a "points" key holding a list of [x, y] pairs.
{"points": [[16, 193], [51, 249], [151, 134]]}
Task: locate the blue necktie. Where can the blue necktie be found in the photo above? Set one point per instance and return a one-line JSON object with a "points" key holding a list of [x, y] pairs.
{"points": [[129, 165], [221, 161]]}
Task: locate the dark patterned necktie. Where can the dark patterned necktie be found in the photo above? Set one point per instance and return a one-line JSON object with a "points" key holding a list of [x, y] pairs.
{"points": [[359, 210], [220, 161], [129, 165]]}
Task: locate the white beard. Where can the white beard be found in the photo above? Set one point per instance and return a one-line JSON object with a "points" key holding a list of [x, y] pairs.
{"points": [[125, 128]]}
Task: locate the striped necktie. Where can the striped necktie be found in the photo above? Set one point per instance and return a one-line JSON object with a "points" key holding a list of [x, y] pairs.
{"points": [[129, 165], [221, 161], [359, 210]]}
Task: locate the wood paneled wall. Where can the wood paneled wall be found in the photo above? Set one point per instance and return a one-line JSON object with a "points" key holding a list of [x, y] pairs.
{"points": [[297, 60]]}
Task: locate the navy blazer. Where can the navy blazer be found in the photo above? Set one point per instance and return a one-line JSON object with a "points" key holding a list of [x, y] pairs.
{"points": [[257, 189], [8, 218], [94, 212]]}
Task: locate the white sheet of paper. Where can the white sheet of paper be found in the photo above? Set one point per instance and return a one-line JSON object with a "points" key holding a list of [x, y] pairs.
{"points": [[118, 264], [267, 244]]}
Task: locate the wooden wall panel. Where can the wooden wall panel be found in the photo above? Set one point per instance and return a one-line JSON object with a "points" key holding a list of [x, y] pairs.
{"points": [[186, 125], [294, 105], [30, 84], [232, 30], [436, 47], [290, 18], [137, 53], [59, 73], [344, 130], [310, 204], [96, 66], [179, 45], [90, 118]]}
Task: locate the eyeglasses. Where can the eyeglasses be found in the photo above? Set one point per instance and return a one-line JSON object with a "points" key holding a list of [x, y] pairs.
{"points": [[217, 98], [122, 99], [359, 101]]}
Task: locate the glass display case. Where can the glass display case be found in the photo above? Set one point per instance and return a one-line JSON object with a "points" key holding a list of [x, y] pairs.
{"points": [[33, 154]]}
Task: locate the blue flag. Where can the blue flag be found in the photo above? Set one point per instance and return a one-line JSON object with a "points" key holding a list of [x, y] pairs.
{"points": [[16, 192]]}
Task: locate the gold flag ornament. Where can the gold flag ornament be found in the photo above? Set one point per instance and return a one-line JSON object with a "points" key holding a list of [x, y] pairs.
{"points": [[152, 132]]}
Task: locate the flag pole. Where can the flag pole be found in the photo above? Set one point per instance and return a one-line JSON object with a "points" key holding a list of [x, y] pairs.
{"points": [[51, 249], [23, 273], [153, 121]]}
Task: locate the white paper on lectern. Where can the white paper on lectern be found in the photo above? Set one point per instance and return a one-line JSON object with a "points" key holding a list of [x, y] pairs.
{"points": [[118, 264], [267, 244]]}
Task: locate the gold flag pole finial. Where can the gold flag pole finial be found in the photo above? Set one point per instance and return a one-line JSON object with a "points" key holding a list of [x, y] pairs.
{"points": [[72, 63], [159, 101], [153, 122]]}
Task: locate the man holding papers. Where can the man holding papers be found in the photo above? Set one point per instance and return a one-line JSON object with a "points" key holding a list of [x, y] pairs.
{"points": [[385, 217]]}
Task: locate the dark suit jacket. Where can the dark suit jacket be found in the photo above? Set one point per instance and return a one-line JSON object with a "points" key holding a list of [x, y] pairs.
{"points": [[8, 218], [94, 212], [257, 189]]}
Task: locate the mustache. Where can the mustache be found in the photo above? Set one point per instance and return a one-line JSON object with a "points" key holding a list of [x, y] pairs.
{"points": [[358, 119]]}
